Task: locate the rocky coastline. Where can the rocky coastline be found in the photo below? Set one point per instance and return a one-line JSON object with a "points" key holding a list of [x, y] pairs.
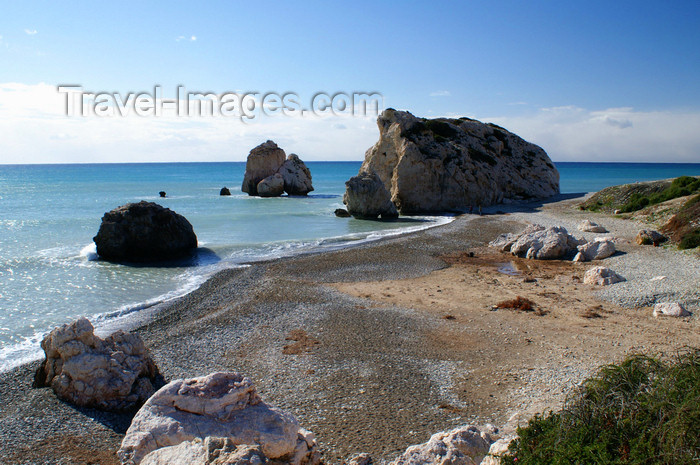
{"points": [[401, 337]]}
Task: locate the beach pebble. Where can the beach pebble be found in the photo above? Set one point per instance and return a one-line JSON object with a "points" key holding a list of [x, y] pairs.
{"points": [[360, 459], [670, 309]]}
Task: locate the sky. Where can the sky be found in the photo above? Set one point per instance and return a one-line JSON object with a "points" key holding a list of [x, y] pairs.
{"points": [[587, 81]]}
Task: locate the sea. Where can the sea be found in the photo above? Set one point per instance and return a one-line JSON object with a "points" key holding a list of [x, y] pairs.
{"points": [[50, 273]]}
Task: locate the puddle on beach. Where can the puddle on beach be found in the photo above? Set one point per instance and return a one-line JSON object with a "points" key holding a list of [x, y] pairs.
{"points": [[509, 268]]}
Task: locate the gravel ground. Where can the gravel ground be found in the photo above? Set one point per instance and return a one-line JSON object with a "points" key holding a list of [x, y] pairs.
{"points": [[380, 378], [680, 270]]}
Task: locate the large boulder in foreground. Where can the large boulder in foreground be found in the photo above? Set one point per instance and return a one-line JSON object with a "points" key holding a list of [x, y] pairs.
{"points": [[267, 160], [144, 232], [116, 373], [444, 164], [466, 445], [189, 417], [367, 198]]}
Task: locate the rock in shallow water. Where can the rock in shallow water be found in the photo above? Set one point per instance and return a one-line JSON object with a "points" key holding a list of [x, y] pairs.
{"points": [[115, 373], [296, 175], [271, 186], [144, 232], [367, 198], [263, 161], [208, 410], [266, 163]]}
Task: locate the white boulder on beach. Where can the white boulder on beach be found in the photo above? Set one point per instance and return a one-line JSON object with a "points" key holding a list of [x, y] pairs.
{"points": [[187, 419], [670, 309], [115, 373], [602, 276]]}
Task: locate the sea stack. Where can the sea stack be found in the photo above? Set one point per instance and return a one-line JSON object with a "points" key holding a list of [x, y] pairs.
{"points": [[269, 165], [444, 164]]}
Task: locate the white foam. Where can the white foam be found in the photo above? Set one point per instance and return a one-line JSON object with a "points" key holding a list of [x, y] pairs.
{"points": [[89, 252]]}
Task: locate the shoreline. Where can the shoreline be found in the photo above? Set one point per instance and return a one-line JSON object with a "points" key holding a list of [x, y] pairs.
{"points": [[130, 316], [386, 372]]}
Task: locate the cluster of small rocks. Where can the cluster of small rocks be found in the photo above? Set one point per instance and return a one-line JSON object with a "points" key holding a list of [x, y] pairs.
{"points": [[553, 243], [270, 173]]}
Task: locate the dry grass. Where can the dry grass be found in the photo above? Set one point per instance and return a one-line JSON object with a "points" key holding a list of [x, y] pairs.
{"points": [[521, 304]]}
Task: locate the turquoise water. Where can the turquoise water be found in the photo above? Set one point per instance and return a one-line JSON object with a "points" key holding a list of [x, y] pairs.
{"points": [[49, 214]]}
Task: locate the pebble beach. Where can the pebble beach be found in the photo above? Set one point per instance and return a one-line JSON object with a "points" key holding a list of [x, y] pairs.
{"points": [[378, 346]]}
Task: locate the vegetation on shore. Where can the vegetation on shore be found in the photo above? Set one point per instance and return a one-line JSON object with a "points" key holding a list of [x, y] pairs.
{"points": [[683, 228], [642, 411], [633, 197]]}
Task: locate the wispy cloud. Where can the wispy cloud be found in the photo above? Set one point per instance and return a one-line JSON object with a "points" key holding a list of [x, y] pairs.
{"points": [[30, 32], [189, 39], [441, 93]]}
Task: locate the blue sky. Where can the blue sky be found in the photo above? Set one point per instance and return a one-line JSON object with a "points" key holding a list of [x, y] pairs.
{"points": [[589, 81]]}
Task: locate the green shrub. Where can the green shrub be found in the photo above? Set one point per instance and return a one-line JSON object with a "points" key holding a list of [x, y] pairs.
{"points": [[690, 241], [642, 411], [680, 187]]}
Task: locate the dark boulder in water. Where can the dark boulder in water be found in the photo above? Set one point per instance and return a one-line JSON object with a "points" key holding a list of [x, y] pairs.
{"points": [[162, 194], [342, 213], [144, 232], [224, 191]]}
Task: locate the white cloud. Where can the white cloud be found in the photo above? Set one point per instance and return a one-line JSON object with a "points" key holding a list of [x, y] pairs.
{"points": [[35, 129], [571, 133], [190, 38], [30, 32], [440, 93], [193, 38]]}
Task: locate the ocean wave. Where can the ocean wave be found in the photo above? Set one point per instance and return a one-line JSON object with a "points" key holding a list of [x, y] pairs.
{"points": [[89, 252]]}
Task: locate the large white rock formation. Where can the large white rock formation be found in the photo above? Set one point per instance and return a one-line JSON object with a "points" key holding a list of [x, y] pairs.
{"points": [[452, 164]]}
